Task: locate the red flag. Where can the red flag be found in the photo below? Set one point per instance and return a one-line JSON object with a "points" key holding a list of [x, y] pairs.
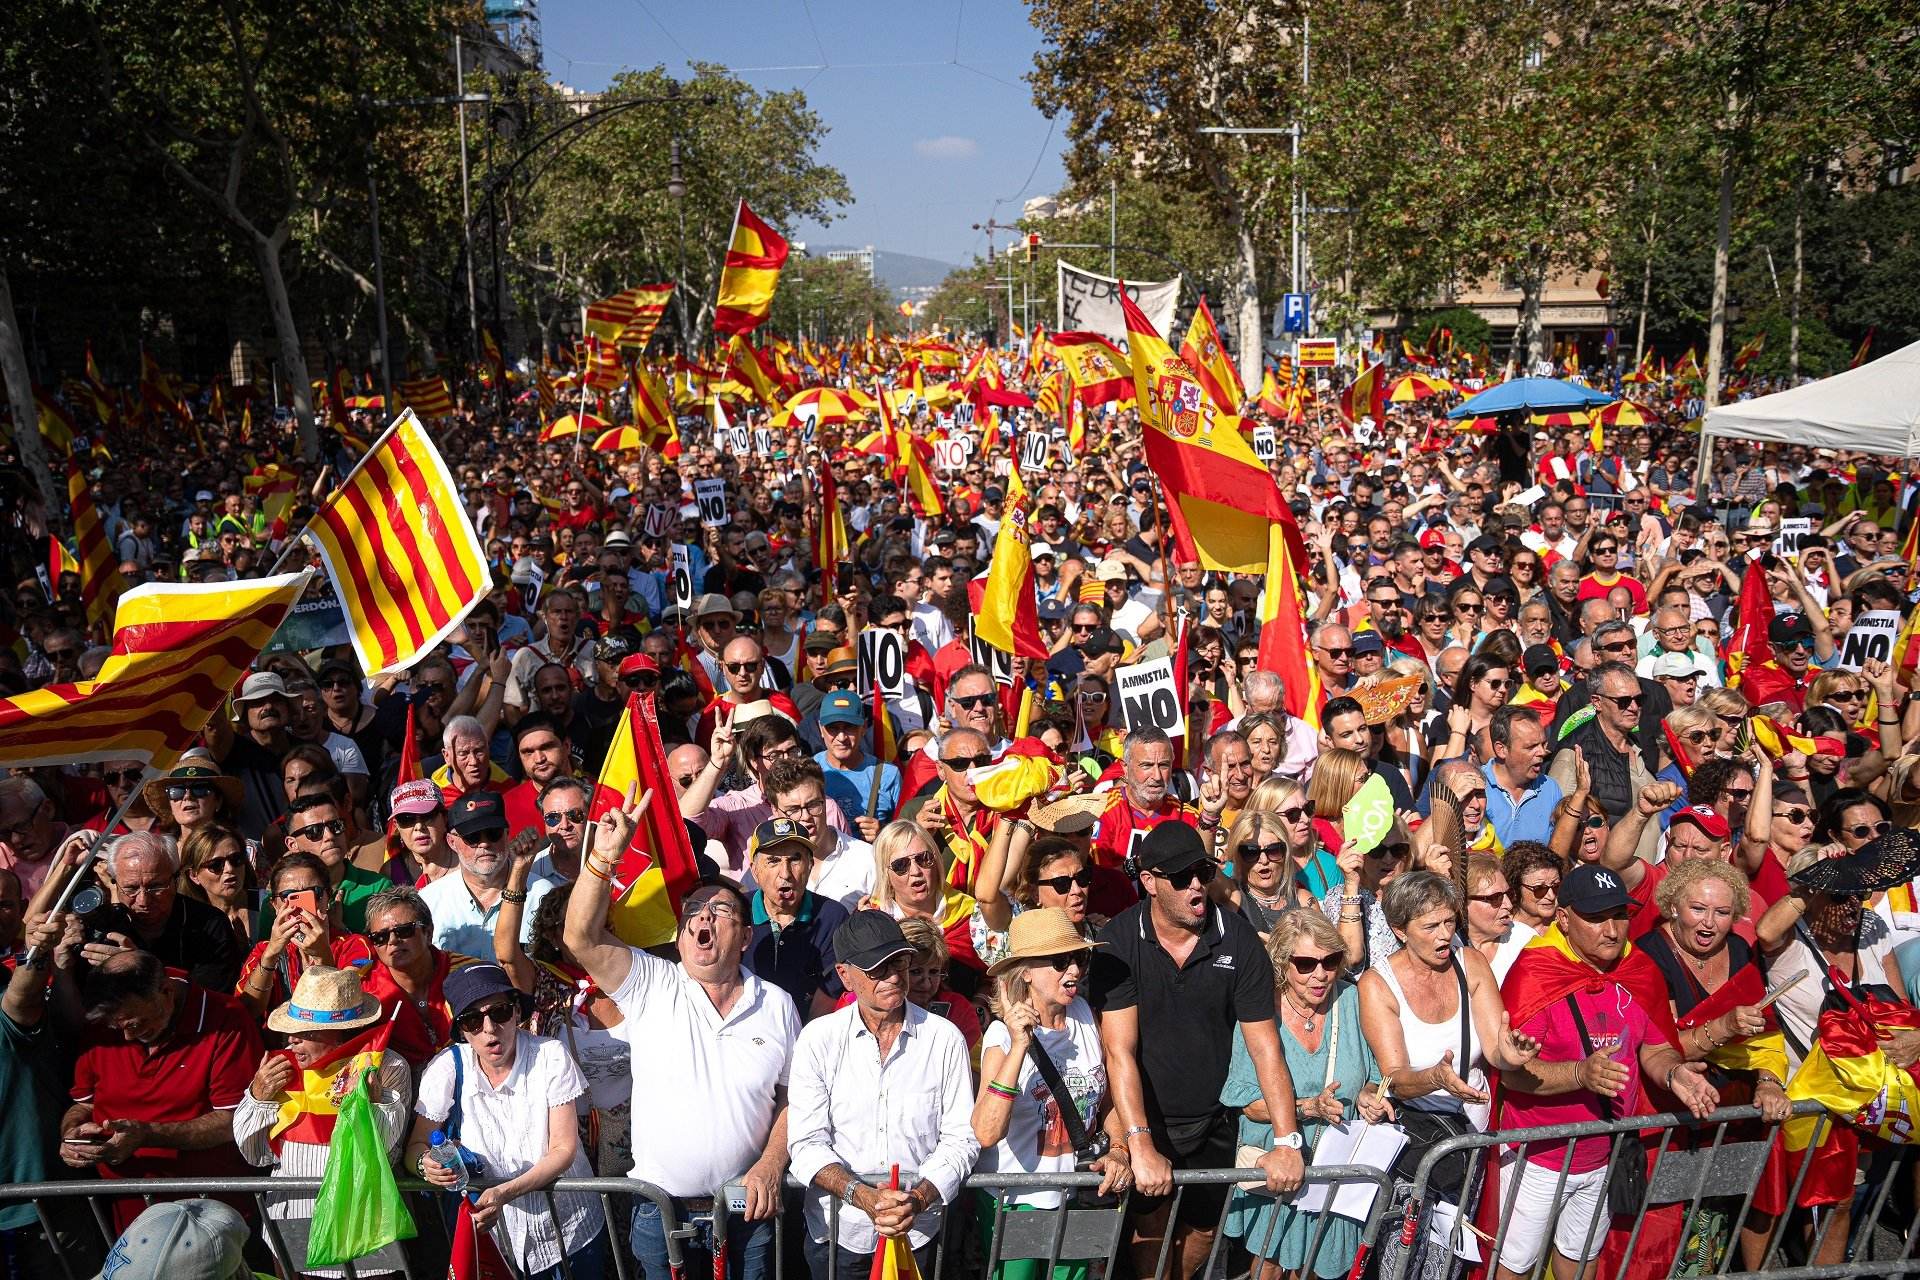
{"points": [[1750, 646], [475, 1255]]}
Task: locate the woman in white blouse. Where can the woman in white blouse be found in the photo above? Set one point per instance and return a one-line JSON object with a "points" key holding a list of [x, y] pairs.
{"points": [[515, 1094]]}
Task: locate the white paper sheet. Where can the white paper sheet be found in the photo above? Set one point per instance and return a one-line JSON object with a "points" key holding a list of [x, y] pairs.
{"points": [[1356, 1142]]}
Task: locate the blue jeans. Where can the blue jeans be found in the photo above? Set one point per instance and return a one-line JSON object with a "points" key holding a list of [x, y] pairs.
{"points": [[749, 1244], [589, 1262]]}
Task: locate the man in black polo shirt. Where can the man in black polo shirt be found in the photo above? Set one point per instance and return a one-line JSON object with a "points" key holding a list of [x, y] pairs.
{"points": [[792, 944], [1177, 974]]}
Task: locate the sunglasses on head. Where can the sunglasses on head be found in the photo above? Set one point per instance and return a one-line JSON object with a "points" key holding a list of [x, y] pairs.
{"points": [[1868, 830], [1304, 965], [980, 761], [381, 937], [501, 1013], [1183, 878], [922, 859], [314, 830], [1062, 885], [1257, 852]]}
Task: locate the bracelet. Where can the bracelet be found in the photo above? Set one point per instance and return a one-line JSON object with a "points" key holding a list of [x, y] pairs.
{"points": [[593, 869], [514, 896], [1355, 918], [1006, 1091], [1136, 1128], [1350, 899]]}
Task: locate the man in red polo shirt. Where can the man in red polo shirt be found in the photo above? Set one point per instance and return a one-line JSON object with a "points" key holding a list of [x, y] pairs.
{"points": [[155, 1087], [1141, 802]]}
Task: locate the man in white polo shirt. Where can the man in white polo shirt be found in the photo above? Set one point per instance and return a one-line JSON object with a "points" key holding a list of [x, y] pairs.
{"points": [[715, 1042]]}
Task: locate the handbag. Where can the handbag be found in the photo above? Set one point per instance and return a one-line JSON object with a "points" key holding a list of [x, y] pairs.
{"points": [[1424, 1127], [1249, 1154], [1626, 1178]]}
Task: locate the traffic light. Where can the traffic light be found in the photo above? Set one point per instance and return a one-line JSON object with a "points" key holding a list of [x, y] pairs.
{"points": [[1033, 244]]}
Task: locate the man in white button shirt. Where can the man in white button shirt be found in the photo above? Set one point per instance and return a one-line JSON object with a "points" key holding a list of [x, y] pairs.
{"points": [[714, 1042], [876, 1084]]}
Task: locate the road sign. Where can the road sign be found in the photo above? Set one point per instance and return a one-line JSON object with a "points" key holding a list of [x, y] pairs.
{"points": [[1318, 353], [1293, 313]]}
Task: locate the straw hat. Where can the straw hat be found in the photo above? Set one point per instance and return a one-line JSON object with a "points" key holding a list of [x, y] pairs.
{"points": [[1037, 934], [1071, 815], [326, 1000], [193, 769]]}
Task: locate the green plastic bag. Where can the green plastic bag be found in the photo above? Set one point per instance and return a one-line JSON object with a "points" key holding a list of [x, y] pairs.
{"points": [[359, 1209]]}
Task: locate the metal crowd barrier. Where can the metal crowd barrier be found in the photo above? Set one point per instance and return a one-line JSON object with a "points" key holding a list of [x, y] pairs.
{"points": [[1714, 1172]]}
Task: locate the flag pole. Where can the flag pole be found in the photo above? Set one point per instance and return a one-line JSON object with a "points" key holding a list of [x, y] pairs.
{"points": [[92, 855], [345, 480]]}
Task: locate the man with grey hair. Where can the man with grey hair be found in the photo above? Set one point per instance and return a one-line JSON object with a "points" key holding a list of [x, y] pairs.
{"points": [[30, 833], [154, 916], [1145, 799], [465, 765], [1264, 691]]}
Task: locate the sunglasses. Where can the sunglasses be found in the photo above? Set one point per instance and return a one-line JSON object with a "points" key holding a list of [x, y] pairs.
{"points": [[502, 1013], [1389, 851], [1467, 608], [1304, 965], [1064, 884], [314, 830], [381, 937], [1625, 701], [1699, 737], [121, 777], [558, 816], [1062, 962], [1868, 830], [980, 761], [1795, 815], [973, 701], [1847, 695], [62, 655], [1335, 653], [336, 682], [1804, 645], [922, 859], [1543, 890], [1260, 852], [228, 863], [1478, 793], [185, 790], [641, 681], [1186, 876], [1296, 813]]}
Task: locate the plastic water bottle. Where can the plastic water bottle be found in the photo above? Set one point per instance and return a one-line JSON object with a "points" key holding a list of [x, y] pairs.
{"points": [[449, 1154]]}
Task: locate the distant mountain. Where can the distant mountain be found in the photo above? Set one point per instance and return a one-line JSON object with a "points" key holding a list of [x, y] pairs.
{"points": [[896, 270]]}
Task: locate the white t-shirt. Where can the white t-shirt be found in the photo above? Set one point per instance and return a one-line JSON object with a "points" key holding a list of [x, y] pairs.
{"points": [[1036, 1139], [710, 1079], [1799, 1009]]}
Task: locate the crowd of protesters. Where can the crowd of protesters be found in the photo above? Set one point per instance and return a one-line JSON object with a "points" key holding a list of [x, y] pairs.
{"points": [[883, 950]]}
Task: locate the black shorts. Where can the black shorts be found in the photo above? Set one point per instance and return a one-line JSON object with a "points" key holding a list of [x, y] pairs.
{"points": [[1204, 1143]]}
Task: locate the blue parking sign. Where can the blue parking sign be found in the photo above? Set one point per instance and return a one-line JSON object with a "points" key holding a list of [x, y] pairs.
{"points": [[1293, 313]]}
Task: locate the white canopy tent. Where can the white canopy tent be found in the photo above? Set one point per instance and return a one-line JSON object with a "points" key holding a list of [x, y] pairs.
{"points": [[1872, 409]]}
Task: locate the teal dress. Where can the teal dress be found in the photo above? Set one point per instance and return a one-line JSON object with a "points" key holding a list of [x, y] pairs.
{"points": [[1271, 1228]]}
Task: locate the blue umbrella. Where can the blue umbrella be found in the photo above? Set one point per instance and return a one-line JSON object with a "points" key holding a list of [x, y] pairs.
{"points": [[1531, 393]]}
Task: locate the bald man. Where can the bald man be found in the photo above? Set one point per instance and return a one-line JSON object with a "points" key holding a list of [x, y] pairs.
{"points": [[743, 666]]}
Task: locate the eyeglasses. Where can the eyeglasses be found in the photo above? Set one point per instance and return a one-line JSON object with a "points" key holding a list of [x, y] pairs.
{"points": [[229, 863], [501, 1013], [121, 777], [184, 790], [815, 806], [922, 859], [1868, 830], [314, 830], [718, 907], [1542, 888], [1062, 962], [1699, 737], [1260, 852], [1304, 965], [1795, 815], [973, 701], [979, 761], [1491, 899], [1186, 876], [398, 932], [559, 816], [1625, 701]]}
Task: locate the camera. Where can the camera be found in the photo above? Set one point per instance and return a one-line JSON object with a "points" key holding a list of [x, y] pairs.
{"points": [[99, 915]]}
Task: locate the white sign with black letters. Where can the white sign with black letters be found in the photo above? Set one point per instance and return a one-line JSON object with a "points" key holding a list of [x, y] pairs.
{"points": [[1870, 637], [997, 662], [1148, 697], [1266, 446], [1792, 529], [660, 520], [1033, 451], [712, 496], [682, 578], [883, 659]]}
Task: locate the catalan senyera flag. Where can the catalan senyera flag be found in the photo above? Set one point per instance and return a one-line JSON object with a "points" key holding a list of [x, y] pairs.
{"points": [[1097, 368], [653, 407], [1283, 633], [1220, 497], [601, 365], [629, 318], [1748, 350], [276, 489], [178, 650], [402, 554], [427, 397], [755, 254], [1009, 617], [56, 425], [658, 866], [1206, 355], [100, 580]]}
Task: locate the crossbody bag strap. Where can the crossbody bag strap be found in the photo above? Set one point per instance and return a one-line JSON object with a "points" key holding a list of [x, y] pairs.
{"points": [[1586, 1045], [452, 1126], [1062, 1097], [1466, 1025]]}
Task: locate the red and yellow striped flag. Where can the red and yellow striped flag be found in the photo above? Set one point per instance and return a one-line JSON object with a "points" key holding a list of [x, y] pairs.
{"points": [[59, 561], [755, 254], [178, 651], [100, 580], [402, 554], [56, 425], [658, 865], [426, 396]]}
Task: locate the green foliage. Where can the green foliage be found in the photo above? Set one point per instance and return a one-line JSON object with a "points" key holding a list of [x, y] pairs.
{"points": [[1821, 353], [963, 300], [825, 300], [1470, 332]]}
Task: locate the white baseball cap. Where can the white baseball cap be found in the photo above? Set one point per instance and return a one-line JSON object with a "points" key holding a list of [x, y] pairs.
{"points": [[181, 1240]]}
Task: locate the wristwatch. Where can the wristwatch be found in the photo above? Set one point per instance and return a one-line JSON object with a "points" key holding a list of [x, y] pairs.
{"points": [[846, 1192], [1292, 1140]]}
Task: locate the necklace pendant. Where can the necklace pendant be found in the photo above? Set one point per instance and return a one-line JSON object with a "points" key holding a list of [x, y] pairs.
{"points": [[1306, 1024]]}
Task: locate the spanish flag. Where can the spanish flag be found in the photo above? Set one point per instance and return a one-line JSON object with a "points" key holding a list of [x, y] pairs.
{"points": [[830, 542], [59, 561], [1750, 645], [1206, 355], [1860, 353], [178, 651], [1009, 617], [313, 1103], [56, 426], [1848, 1073], [1097, 368], [755, 254], [1283, 632], [100, 580], [908, 456], [658, 866], [893, 1260], [749, 369], [1272, 403], [1777, 741], [1366, 395], [402, 554], [886, 744]]}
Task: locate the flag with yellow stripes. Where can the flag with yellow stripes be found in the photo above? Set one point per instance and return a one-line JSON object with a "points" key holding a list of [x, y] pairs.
{"points": [[402, 554], [178, 651], [427, 397], [100, 580]]}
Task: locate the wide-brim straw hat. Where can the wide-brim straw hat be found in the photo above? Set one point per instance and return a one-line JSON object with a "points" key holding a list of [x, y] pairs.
{"points": [[154, 794], [1039, 933], [326, 1000], [1071, 815]]}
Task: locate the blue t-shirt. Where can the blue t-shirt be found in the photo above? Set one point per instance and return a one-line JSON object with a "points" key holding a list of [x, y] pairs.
{"points": [[849, 788]]}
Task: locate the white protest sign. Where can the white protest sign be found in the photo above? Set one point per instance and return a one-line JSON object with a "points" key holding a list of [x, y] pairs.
{"points": [[762, 441], [1871, 636], [739, 440], [1266, 446], [711, 494], [999, 664], [682, 578], [660, 520], [1033, 451], [883, 659], [1147, 696], [1792, 528], [1090, 303], [950, 454]]}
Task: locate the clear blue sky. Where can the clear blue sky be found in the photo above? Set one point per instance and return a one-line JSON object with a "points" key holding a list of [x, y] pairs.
{"points": [[925, 105]]}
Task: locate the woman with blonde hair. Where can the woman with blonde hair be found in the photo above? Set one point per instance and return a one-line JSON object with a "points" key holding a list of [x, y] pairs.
{"points": [[1314, 870], [910, 882], [1333, 1070], [1490, 927], [1731, 710], [1337, 775], [1262, 885], [1404, 732]]}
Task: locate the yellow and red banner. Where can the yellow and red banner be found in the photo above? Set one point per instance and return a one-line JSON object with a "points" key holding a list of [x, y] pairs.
{"points": [[313, 1101], [178, 651], [100, 580], [1283, 632], [755, 254], [628, 318], [1097, 368], [657, 867], [1009, 617], [1207, 356], [402, 554], [427, 397]]}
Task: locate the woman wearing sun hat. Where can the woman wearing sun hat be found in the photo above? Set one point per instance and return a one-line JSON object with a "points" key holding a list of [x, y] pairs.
{"points": [[328, 1009], [1018, 1118], [193, 794]]}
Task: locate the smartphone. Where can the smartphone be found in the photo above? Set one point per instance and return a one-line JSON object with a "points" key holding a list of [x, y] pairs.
{"points": [[308, 900], [843, 580]]}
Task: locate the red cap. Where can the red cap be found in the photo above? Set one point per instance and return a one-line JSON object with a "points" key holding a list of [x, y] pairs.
{"points": [[1704, 818], [637, 662], [1432, 538]]}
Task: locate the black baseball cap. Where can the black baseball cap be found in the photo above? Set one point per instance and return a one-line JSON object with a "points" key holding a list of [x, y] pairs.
{"points": [[475, 811], [1170, 847], [1789, 626], [1538, 658], [1101, 640], [868, 940], [1591, 889], [775, 832]]}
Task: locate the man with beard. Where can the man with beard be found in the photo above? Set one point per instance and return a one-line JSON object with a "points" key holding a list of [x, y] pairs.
{"points": [[465, 904], [1785, 676], [1140, 804], [1193, 973], [545, 754]]}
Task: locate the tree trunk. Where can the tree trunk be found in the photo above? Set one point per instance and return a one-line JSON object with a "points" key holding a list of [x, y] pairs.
{"points": [[1799, 273], [1646, 302], [267, 251], [1243, 293], [1528, 340], [1722, 245], [26, 414]]}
